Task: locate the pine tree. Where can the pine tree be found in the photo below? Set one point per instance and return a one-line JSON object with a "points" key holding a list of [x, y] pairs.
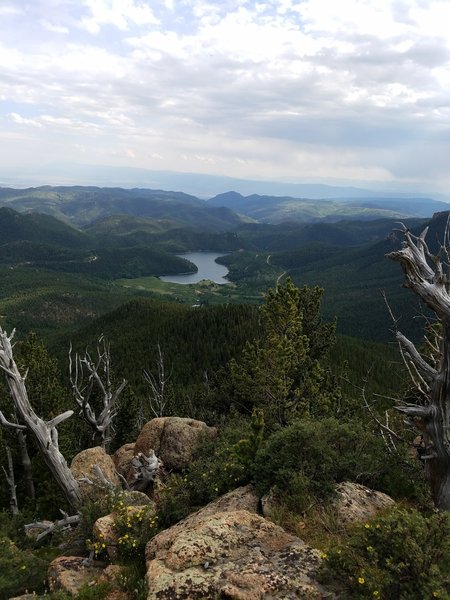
{"points": [[282, 372]]}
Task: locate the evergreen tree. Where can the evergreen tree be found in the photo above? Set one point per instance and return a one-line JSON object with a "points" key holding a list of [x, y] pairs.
{"points": [[282, 372]]}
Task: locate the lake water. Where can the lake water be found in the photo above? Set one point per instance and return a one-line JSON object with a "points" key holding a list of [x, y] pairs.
{"points": [[207, 269]]}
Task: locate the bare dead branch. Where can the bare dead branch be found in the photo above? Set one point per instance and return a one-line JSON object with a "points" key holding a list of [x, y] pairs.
{"points": [[427, 275], [146, 469], [158, 393], [86, 375], [45, 434], [6, 423], [10, 480], [47, 528]]}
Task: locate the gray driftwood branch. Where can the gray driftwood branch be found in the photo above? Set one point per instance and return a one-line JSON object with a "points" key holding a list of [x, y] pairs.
{"points": [[87, 375], [45, 433], [427, 275]]}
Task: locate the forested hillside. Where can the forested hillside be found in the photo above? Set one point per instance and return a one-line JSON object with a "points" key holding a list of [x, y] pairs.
{"points": [[288, 401], [117, 256], [291, 367], [276, 209]]}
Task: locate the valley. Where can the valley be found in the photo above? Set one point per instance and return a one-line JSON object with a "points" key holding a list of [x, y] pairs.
{"points": [[286, 352], [72, 254]]}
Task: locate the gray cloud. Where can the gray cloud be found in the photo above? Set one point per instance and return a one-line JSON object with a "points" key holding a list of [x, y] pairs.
{"points": [[288, 89]]}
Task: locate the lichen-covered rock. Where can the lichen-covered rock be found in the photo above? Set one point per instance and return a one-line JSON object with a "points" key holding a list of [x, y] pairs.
{"points": [[174, 440], [355, 503], [135, 498], [113, 575], [122, 458], [269, 503], [234, 554], [105, 535], [70, 573], [242, 498], [83, 468]]}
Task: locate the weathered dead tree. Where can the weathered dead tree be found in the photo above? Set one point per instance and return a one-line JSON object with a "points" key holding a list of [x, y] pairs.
{"points": [[45, 432], [49, 527], [11, 481], [146, 469], [158, 393], [26, 464], [428, 276], [25, 457], [87, 375]]}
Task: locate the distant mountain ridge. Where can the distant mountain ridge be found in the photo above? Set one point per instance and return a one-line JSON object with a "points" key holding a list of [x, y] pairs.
{"points": [[279, 209], [199, 184], [83, 205]]}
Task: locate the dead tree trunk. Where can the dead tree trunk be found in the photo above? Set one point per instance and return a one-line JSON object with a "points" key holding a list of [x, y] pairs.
{"points": [[428, 276], [10, 480], [45, 432], [86, 375], [158, 393], [26, 464]]}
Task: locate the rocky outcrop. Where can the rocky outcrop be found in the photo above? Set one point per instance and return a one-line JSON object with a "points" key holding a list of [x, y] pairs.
{"points": [[135, 498], [105, 534], [269, 503], [122, 458], [226, 551], [242, 498], [71, 573], [112, 575], [174, 440], [105, 531], [85, 466], [355, 503]]}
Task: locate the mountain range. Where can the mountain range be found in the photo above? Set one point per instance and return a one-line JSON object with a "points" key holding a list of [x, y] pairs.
{"points": [[97, 247], [83, 206]]}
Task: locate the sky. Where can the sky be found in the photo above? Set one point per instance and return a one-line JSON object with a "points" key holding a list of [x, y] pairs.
{"points": [[349, 91]]}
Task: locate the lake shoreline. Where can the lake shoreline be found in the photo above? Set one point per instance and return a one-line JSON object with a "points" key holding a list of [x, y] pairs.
{"points": [[207, 269]]}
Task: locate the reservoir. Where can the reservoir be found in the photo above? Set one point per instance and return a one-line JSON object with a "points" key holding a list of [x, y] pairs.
{"points": [[207, 269]]}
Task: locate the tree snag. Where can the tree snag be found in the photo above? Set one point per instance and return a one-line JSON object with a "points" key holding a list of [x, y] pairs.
{"points": [[10, 480], [45, 432], [87, 375], [158, 393], [428, 276]]}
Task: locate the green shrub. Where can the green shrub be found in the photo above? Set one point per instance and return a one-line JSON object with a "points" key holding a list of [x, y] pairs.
{"points": [[132, 580], [99, 591], [305, 460], [402, 555], [219, 466], [20, 570], [135, 526]]}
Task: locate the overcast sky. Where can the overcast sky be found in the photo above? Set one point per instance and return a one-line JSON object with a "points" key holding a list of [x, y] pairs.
{"points": [[294, 90]]}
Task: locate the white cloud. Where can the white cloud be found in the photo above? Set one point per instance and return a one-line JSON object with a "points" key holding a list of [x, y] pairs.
{"points": [[16, 118], [238, 87], [54, 27], [118, 13]]}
